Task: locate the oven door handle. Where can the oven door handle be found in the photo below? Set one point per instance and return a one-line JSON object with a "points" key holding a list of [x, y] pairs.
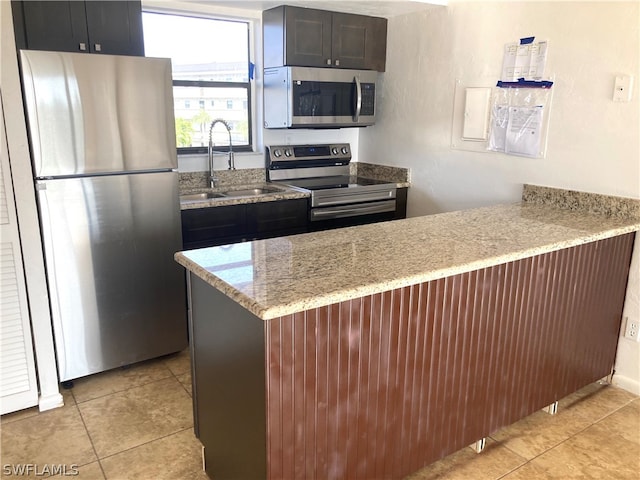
{"points": [[381, 207], [356, 116]]}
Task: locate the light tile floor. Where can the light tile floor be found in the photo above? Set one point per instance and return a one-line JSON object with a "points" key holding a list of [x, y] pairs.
{"points": [[136, 423]]}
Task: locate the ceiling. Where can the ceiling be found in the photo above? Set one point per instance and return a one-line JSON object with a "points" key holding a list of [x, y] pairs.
{"points": [[378, 8]]}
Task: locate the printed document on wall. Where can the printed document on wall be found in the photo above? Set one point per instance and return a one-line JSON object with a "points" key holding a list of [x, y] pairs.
{"points": [[524, 131], [498, 130], [524, 61]]}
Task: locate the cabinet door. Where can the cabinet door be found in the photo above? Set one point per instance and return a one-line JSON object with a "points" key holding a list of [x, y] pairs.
{"points": [[206, 227], [18, 384], [115, 27], [271, 219], [59, 26], [359, 42], [401, 203], [307, 37]]}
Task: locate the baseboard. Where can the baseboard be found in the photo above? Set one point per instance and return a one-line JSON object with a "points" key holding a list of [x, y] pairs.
{"points": [[626, 383], [50, 401]]}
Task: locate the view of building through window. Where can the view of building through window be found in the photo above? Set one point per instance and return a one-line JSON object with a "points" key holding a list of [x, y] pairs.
{"points": [[210, 63]]}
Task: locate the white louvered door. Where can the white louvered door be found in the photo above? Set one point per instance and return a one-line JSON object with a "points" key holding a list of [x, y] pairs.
{"points": [[18, 384]]}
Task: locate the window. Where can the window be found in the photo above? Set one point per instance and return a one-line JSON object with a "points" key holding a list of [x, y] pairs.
{"points": [[210, 63]]}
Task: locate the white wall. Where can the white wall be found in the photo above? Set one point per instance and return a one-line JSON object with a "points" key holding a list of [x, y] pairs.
{"points": [[593, 143]]}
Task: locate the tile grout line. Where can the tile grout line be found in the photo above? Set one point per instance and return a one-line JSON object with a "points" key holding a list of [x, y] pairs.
{"points": [[182, 385], [77, 405], [86, 429], [146, 443], [100, 459], [125, 389], [563, 441]]}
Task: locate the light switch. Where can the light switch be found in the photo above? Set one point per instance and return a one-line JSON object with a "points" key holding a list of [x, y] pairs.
{"points": [[623, 88], [476, 113]]}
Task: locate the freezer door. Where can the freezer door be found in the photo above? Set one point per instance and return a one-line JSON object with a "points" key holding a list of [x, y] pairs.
{"points": [[98, 113], [117, 295]]}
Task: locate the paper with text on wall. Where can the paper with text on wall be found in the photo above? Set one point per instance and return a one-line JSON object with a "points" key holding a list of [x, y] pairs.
{"points": [[524, 131], [526, 61]]}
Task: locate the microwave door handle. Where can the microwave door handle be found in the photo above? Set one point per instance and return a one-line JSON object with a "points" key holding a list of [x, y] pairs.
{"points": [[356, 116]]}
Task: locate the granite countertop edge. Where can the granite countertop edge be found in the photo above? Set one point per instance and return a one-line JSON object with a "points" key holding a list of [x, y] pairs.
{"points": [[546, 220], [316, 301]]}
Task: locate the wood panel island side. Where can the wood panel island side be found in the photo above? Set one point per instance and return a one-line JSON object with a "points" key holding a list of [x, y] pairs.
{"points": [[369, 352]]}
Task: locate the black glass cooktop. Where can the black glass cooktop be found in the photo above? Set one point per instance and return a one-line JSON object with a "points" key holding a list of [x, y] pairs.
{"points": [[337, 181]]}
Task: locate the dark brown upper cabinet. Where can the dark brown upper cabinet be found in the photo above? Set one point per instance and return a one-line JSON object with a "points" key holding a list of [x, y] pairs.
{"points": [[318, 38], [108, 27]]}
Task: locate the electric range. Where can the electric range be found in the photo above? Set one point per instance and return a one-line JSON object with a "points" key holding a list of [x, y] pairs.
{"points": [[323, 171]]}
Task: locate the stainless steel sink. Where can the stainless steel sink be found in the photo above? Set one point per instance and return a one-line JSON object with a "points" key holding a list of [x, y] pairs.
{"points": [[199, 197], [245, 192], [250, 191]]}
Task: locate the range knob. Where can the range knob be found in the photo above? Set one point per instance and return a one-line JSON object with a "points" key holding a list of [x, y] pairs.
{"points": [[334, 150], [288, 152], [344, 150], [277, 153]]}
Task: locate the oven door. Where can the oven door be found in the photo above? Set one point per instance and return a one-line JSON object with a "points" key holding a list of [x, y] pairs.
{"points": [[355, 214], [358, 197]]}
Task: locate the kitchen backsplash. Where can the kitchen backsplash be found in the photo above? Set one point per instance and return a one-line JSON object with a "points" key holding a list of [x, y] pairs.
{"points": [[609, 205], [380, 172], [245, 176]]}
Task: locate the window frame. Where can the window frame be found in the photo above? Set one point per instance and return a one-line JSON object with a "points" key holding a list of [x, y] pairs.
{"points": [[217, 84]]}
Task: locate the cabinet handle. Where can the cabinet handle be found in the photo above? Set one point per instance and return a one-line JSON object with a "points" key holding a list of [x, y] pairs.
{"points": [[98, 47], [328, 61], [337, 63], [83, 46]]}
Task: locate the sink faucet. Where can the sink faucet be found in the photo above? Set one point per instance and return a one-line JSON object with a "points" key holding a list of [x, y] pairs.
{"points": [[232, 166]]}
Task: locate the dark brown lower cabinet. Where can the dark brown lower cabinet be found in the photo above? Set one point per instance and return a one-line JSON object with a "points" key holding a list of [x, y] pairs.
{"points": [[380, 386], [208, 227], [221, 225]]}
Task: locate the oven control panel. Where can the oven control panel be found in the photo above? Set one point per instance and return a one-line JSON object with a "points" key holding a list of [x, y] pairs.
{"points": [[335, 152]]}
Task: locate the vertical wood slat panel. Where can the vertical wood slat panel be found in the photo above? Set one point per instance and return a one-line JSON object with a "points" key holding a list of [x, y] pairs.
{"points": [[380, 386]]}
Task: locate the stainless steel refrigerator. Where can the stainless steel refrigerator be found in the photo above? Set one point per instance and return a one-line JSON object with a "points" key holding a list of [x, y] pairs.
{"points": [[102, 138]]}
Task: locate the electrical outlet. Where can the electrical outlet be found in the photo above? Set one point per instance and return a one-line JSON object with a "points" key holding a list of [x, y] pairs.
{"points": [[632, 329]]}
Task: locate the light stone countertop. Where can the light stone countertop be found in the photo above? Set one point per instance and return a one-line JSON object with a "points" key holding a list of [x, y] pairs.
{"points": [[280, 276]]}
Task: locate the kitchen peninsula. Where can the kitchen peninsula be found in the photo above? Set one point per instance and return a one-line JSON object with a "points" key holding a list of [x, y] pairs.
{"points": [[371, 351]]}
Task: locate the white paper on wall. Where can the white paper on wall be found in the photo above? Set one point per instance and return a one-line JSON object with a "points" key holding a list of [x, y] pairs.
{"points": [[524, 131], [526, 61], [519, 121], [498, 130]]}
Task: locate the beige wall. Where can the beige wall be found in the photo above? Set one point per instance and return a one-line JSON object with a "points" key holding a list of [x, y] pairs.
{"points": [[593, 143]]}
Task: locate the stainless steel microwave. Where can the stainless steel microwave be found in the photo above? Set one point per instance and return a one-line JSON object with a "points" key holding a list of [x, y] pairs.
{"points": [[305, 97]]}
